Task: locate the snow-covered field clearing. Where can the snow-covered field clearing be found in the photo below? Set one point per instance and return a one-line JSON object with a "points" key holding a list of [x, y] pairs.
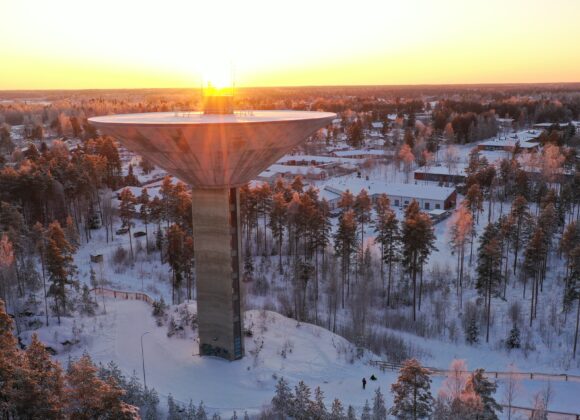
{"points": [[279, 347]]}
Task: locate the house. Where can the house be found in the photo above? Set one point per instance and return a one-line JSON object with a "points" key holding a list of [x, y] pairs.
{"points": [[365, 154], [290, 171], [524, 140], [442, 173], [401, 195]]}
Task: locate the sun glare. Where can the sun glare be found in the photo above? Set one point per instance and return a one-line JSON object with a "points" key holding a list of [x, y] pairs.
{"points": [[217, 79]]}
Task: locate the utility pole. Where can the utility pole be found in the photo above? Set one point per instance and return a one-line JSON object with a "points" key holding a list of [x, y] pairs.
{"points": [[143, 359]]}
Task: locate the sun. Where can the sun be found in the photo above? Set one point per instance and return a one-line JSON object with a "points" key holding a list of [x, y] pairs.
{"points": [[218, 80]]}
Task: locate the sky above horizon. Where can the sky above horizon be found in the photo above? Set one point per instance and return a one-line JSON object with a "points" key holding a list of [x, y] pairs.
{"points": [[65, 44]]}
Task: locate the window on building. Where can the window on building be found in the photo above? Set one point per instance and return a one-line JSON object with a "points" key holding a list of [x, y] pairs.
{"points": [[427, 206], [397, 203], [438, 206]]}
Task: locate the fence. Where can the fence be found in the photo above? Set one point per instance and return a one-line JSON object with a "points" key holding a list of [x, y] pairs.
{"points": [[552, 415], [533, 376], [119, 294]]}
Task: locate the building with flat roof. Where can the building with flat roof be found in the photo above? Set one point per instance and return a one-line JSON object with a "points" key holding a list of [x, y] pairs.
{"points": [[429, 197], [442, 173]]}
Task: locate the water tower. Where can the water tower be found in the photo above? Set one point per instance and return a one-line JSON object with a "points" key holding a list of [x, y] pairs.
{"points": [[215, 151]]}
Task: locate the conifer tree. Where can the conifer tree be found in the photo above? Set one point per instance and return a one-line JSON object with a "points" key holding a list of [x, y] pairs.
{"points": [[412, 397], [59, 266], [417, 240], [366, 412], [346, 201], [534, 256], [126, 212], [379, 408], [472, 333], [176, 257], [41, 392], [337, 411], [301, 402], [10, 359], [277, 222], [489, 272], [362, 210], [478, 383], [520, 216], [388, 235], [283, 398], [145, 214], [461, 226], [351, 413], [89, 397], [513, 341], [345, 246], [318, 409]]}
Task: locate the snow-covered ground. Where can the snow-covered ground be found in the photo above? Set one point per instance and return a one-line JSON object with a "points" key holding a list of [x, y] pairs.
{"points": [[279, 347]]}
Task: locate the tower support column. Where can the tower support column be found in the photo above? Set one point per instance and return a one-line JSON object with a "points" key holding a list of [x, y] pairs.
{"points": [[217, 248]]}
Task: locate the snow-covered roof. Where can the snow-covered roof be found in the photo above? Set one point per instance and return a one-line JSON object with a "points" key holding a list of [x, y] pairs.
{"points": [[393, 190], [295, 170], [456, 169], [364, 152], [318, 159], [377, 125], [524, 138]]}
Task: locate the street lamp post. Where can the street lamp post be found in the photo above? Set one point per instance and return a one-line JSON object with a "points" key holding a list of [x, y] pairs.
{"points": [[143, 359]]}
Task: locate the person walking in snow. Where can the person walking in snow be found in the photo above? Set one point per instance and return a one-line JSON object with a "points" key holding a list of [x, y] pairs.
{"points": [[364, 381]]}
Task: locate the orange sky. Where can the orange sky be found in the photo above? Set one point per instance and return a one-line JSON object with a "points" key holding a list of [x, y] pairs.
{"points": [[178, 43]]}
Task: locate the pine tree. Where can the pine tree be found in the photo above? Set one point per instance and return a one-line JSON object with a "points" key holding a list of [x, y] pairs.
{"points": [[301, 402], [362, 211], [366, 413], [89, 397], [519, 214], [346, 201], [126, 213], [484, 389], [42, 388], [417, 239], [461, 227], [59, 266], [412, 392], [277, 222], [145, 213], [283, 399], [176, 257], [513, 341], [388, 235], [534, 257], [351, 413], [336, 411], [88, 305], [10, 360], [489, 272], [201, 414], [345, 246], [318, 409], [379, 408], [472, 333], [150, 403]]}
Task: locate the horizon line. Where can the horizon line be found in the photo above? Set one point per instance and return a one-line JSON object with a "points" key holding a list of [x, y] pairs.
{"points": [[408, 85]]}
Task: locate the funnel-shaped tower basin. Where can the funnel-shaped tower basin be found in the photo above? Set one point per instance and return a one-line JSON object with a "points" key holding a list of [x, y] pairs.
{"points": [[215, 154]]}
